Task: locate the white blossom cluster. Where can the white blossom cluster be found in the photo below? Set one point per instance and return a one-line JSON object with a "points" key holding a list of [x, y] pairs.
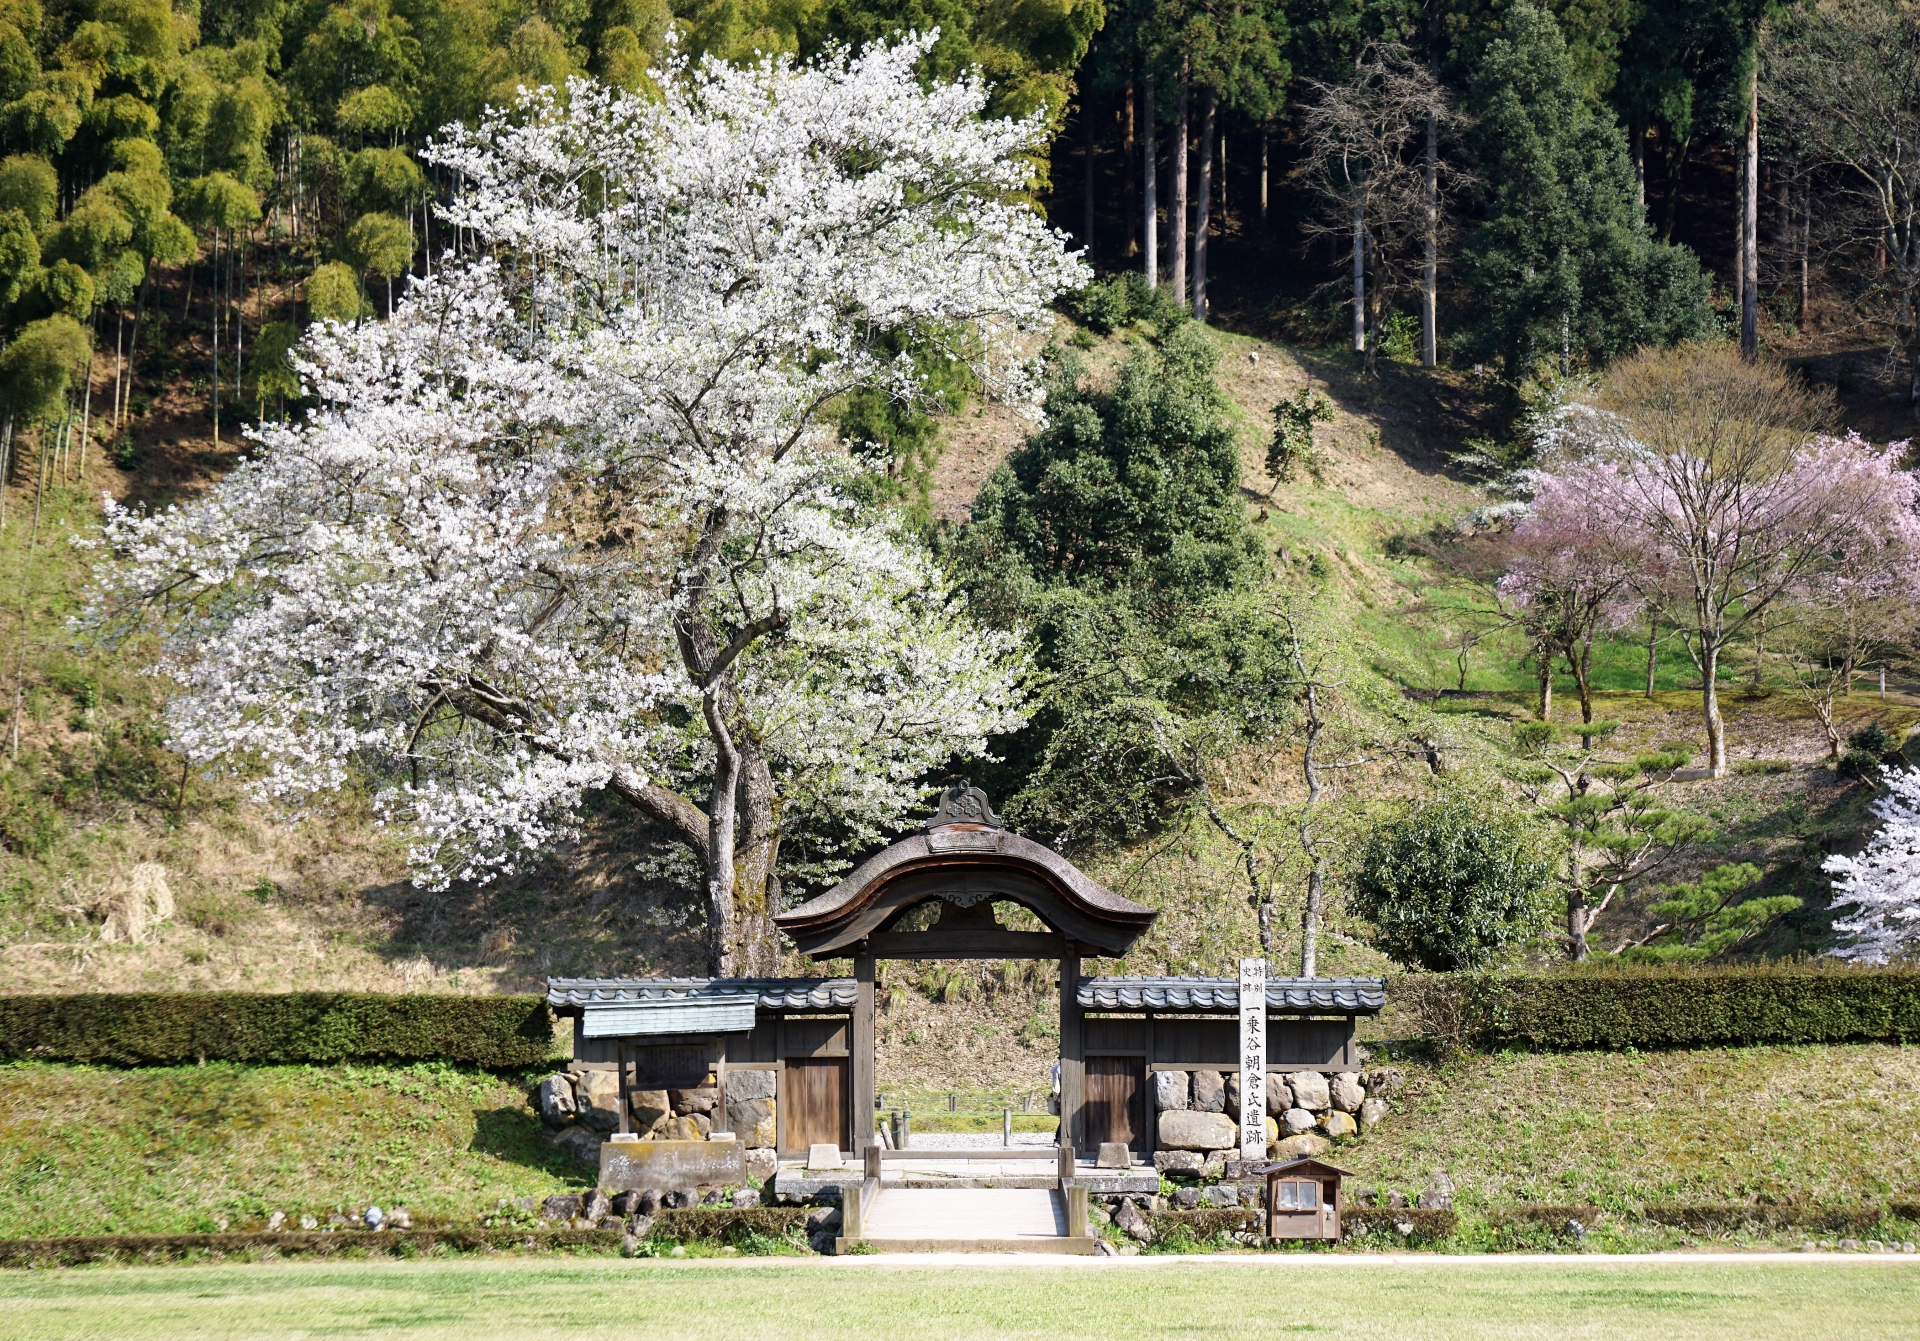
{"points": [[574, 519], [1881, 886]]}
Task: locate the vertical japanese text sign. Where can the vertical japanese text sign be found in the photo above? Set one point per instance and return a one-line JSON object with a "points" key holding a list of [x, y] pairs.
{"points": [[1253, 1059]]}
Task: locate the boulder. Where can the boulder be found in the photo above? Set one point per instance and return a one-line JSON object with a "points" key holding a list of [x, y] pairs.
{"points": [[1310, 1091], [1209, 1092], [595, 1205], [687, 1102], [762, 1164], [598, 1095], [1297, 1120], [638, 1225], [1362, 1195], [563, 1206], [1279, 1096], [626, 1203], [1130, 1222], [1372, 1113], [400, 1218], [583, 1143], [1223, 1194], [1438, 1194], [1384, 1082], [1197, 1131], [683, 1199], [751, 1120], [1273, 1131], [1396, 1201], [744, 1085], [1114, 1155], [1186, 1198], [745, 1199], [1346, 1092], [1232, 1082], [554, 1099], [1178, 1161], [1304, 1146], [650, 1108], [1171, 1091], [1339, 1125], [1215, 1168]]}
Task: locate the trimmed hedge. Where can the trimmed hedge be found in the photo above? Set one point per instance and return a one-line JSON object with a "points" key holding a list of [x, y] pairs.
{"points": [[726, 1224], [1668, 1007], [1425, 1226], [1736, 1215], [169, 1028]]}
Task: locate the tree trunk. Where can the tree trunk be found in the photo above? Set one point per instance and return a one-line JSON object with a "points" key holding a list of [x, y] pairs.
{"points": [[1676, 167], [1128, 187], [1710, 705], [1203, 207], [1806, 245], [1750, 227], [1086, 231], [1653, 640], [757, 881], [1579, 922], [1543, 657], [1639, 134], [1149, 182], [119, 363], [1309, 841], [1177, 219], [1430, 248], [1581, 660], [1263, 180], [215, 304], [1359, 277]]}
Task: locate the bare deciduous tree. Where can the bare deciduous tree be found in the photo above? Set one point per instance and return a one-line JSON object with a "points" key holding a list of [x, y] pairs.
{"points": [[1843, 81], [1364, 153]]}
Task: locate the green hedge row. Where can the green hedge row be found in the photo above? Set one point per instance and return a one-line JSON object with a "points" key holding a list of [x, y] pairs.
{"points": [[167, 1028], [1667, 1007], [136, 1248]]}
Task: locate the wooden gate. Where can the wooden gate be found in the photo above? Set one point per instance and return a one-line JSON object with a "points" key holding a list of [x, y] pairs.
{"points": [[1116, 1108], [814, 1097]]}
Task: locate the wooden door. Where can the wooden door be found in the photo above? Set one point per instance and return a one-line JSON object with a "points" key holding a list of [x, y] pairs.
{"points": [[815, 1099], [1116, 1102]]}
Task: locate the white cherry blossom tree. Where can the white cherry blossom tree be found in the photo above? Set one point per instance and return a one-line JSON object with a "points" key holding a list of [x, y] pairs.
{"points": [[1879, 890], [575, 520]]}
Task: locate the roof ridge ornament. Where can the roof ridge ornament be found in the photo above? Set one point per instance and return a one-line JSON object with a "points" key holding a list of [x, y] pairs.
{"points": [[964, 803]]}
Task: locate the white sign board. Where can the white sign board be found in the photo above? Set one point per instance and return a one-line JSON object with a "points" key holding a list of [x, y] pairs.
{"points": [[1253, 1059]]}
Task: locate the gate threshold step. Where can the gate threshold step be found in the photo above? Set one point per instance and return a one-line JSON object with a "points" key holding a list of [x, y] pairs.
{"points": [[1070, 1246]]}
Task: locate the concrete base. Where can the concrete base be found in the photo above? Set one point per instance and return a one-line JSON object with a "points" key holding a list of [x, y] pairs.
{"points": [[671, 1166]]}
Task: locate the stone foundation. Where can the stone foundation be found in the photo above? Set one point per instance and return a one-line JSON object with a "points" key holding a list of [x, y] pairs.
{"points": [[582, 1107], [1307, 1111]]}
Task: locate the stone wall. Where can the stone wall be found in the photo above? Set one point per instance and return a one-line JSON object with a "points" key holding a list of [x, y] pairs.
{"points": [[581, 1106], [1307, 1111]]}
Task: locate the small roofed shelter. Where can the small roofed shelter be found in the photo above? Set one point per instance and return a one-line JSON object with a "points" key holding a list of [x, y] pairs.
{"points": [[965, 863], [703, 1033], [1133, 1027], [1303, 1199]]}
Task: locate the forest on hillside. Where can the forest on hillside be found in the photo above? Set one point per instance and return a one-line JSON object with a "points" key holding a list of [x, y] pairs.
{"points": [[523, 428]]}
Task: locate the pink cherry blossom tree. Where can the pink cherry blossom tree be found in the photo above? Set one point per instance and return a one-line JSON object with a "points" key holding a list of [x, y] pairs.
{"points": [[1710, 478]]}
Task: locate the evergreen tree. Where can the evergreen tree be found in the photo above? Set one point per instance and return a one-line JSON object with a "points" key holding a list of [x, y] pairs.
{"points": [[1562, 268]]}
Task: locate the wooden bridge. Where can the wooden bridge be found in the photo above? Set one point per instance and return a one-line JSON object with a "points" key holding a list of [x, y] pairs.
{"points": [[1025, 1219]]}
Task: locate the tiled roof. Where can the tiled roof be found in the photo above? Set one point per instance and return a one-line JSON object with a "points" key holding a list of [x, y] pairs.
{"points": [[1352, 996], [773, 993]]}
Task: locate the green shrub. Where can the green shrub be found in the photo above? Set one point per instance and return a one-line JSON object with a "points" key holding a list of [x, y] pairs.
{"points": [[1118, 301], [1669, 1006], [1857, 763], [1452, 882], [1871, 738], [163, 1028]]}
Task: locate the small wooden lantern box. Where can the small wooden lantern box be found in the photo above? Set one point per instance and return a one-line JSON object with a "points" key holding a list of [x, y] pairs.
{"points": [[1303, 1200]]}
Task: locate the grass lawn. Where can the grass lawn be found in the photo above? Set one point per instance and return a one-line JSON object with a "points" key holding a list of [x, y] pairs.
{"points": [[1672, 1300]]}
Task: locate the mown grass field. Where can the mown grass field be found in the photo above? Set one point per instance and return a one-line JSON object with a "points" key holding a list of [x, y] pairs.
{"points": [[95, 1150], [1354, 1300]]}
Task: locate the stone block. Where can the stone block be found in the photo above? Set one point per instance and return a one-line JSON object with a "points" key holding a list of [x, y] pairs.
{"points": [[1279, 1097], [1231, 1079], [1372, 1113], [554, 1099], [1346, 1092], [1438, 1193], [1186, 1198], [1178, 1161], [745, 1085], [1197, 1131], [1310, 1091], [689, 1102], [1114, 1155], [1338, 1124], [1215, 1168], [1172, 1091], [583, 1143], [1223, 1194], [1304, 1146], [1383, 1082], [762, 1164], [595, 1205], [564, 1206], [745, 1199], [823, 1156], [1297, 1120], [650, 1108], [672, 1165], [598, 1095], [1209, 1092], [751, 1120]]}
